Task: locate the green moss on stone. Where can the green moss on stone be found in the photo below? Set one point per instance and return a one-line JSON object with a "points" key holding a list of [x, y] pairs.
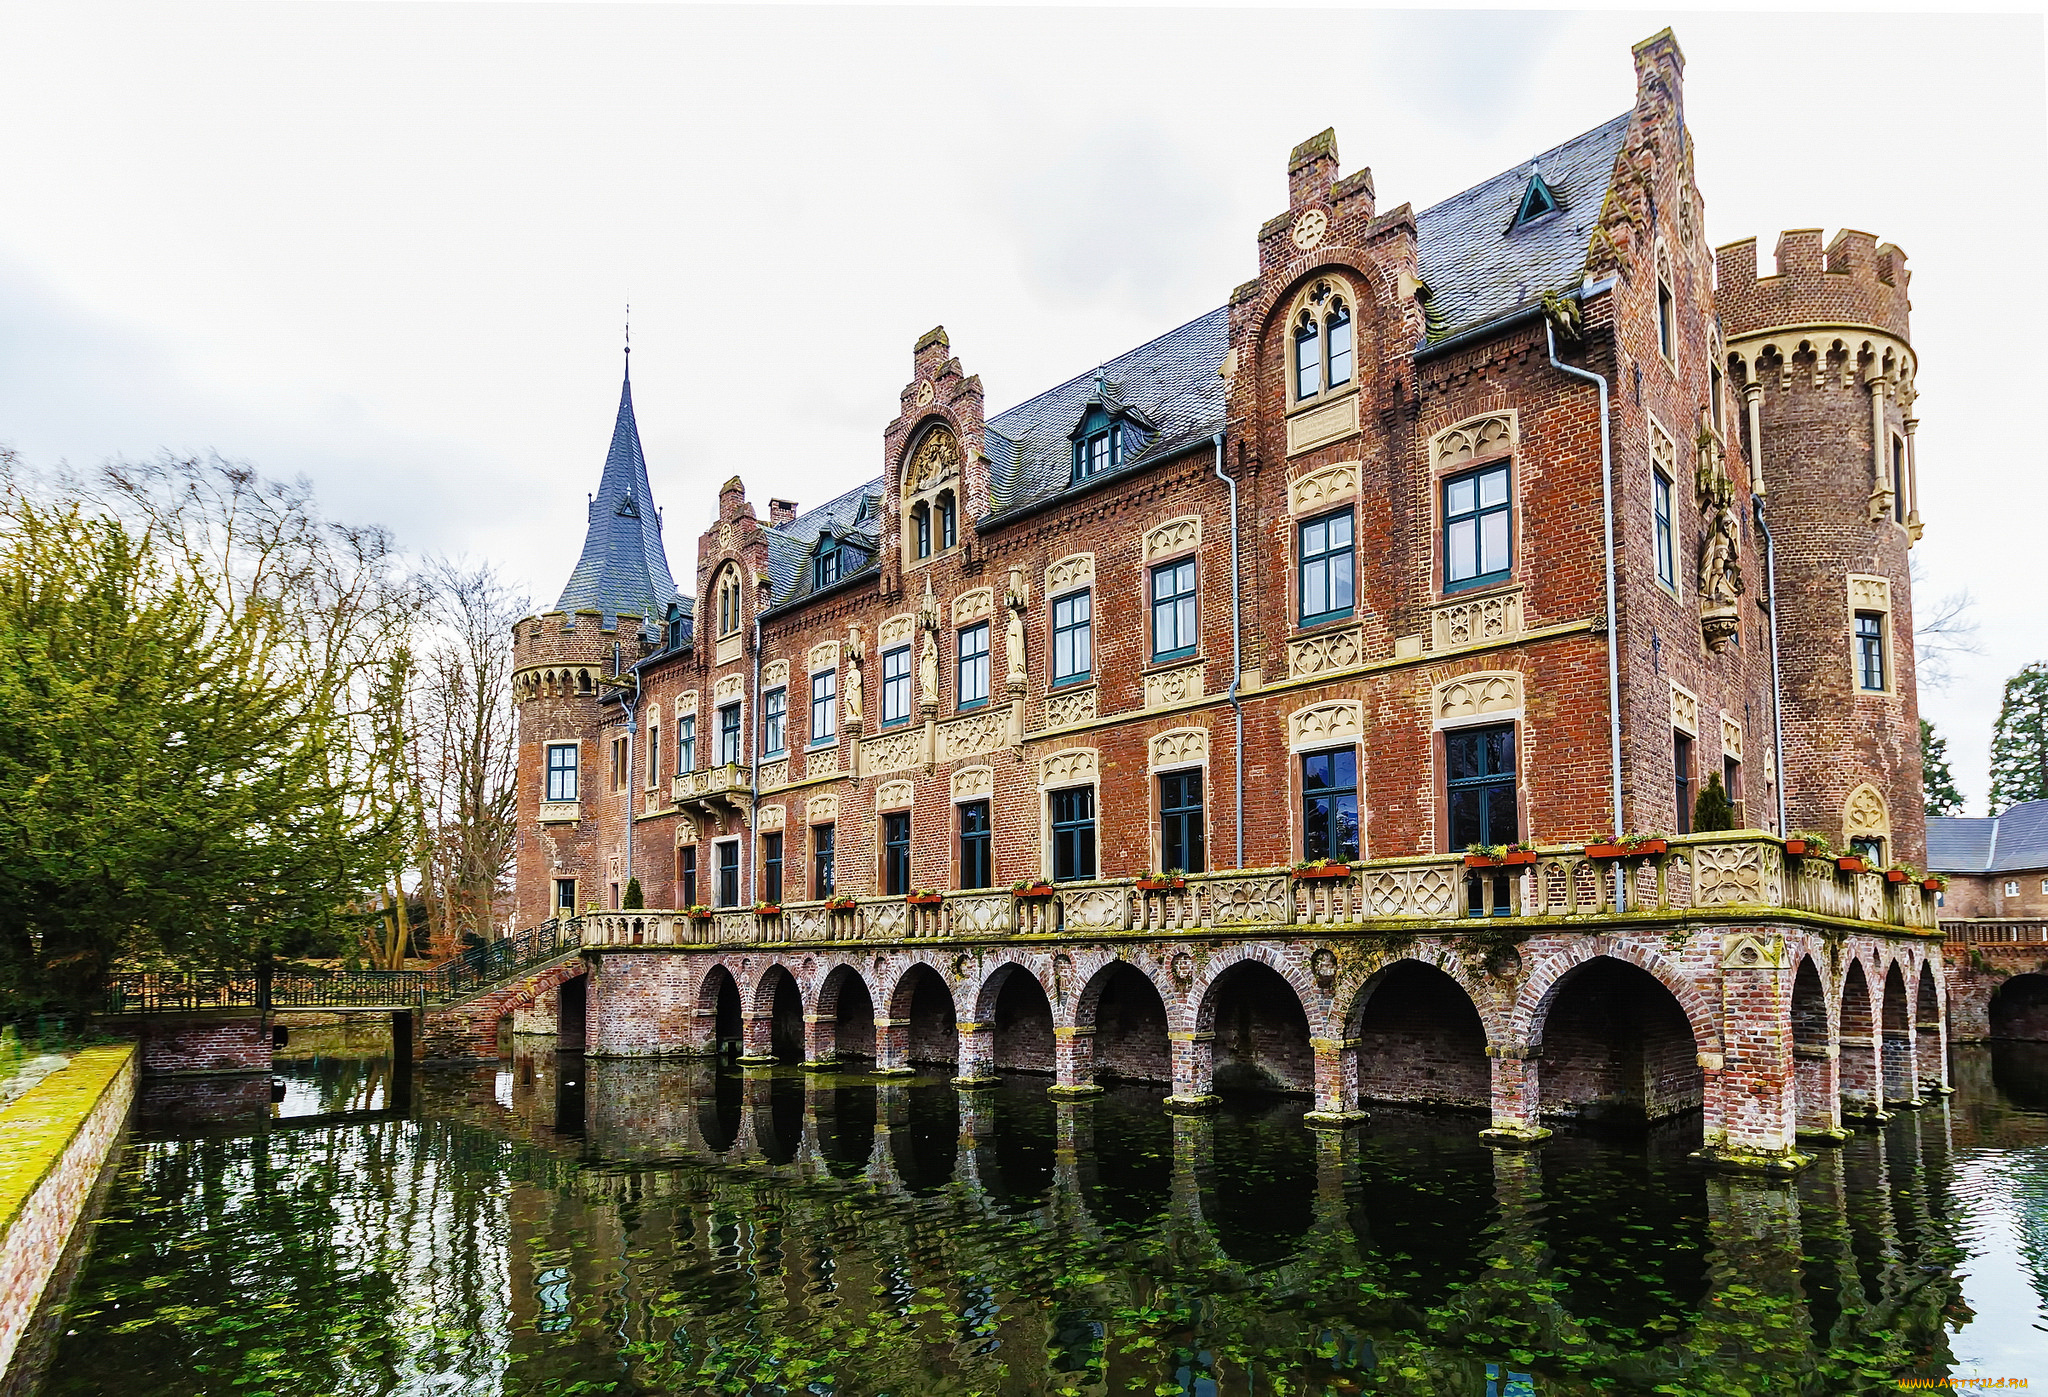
{"points": [[41, 1124]]}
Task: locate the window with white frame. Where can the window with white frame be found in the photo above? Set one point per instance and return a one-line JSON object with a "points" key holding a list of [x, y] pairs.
{"points": [[775, 722], [1072, 638], [1666, 529], [896, 686], [562, 771], [972, 671], [824, 707]]}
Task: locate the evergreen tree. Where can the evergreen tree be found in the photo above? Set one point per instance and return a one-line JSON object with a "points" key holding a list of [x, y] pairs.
{"points": [[2019, 744], [1935, 777], [1713, 810], [634, 899]]}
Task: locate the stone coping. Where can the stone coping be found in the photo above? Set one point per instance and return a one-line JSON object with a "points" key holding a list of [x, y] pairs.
{"points": [[37, 1128]]}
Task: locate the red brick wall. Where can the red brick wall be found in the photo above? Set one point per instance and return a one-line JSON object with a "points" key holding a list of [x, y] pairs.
{"points": [[181, 1046]]}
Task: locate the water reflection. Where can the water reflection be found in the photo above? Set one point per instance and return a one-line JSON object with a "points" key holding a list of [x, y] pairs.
{"points": [[606, 1227]]}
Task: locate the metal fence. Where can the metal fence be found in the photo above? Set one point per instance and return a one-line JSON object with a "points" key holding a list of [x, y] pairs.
{"points": [[298, 987]]}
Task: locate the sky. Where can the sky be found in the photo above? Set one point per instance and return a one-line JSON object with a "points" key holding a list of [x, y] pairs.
{"points": [[389, 246]]}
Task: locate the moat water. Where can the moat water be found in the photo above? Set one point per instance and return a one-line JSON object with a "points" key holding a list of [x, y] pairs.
{"points": [[556, 1226]]}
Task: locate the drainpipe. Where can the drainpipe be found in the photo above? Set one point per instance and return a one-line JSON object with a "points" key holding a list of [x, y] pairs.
{"points": [[1236, 645], [754, 771], [1752, 395], [627, 700], [1607, 516]]}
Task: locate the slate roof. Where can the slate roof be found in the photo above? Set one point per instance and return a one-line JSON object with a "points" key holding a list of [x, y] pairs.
{"points": [[623, 569], [2016, 841], [790, 574], [1477, 270]]}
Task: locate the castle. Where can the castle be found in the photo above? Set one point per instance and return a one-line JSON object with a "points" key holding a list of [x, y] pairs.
{"points": [[1512, 521]]}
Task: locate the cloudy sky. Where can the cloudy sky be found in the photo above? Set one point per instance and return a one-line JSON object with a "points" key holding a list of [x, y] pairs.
{"points": [[388, 246]]}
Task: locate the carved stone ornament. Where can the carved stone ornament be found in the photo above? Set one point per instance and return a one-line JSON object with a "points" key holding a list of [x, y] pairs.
{"points": [[774, 774], [1731, 738], [1685, 708], [973, 606], [1073, 767], [686, 704], [771, 817], [1745, 950], [1310, 228], [1477, 695], [824, 656], [896, 751], [1480, 621], [849, 689], [728, 688], [1324, 724], [1016, 597], [1172, 537], [926, 394], [1865, 813], [1064, 710], [1479, 439], [973, 783], [1320, 489], [895, 631], [1071, 572], [971, 736], [1321, 654], [686, 828], [937, 458], [894, 795], [773, 676], [1174, 686], [1868, 593], [1180, 747], [822, 809]]}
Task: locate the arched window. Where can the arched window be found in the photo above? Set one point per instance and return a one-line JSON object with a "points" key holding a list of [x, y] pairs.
{"points": [[1308, 357], [1322, 340], [729, 602], [929, 498], [921, 520], [949, 520], [1337, 325]]}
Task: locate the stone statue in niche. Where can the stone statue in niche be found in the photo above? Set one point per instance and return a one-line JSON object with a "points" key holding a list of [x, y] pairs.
{"points": [[938, 456], [928, 659], [854, 655], [1720, 578], [1016, 596]]}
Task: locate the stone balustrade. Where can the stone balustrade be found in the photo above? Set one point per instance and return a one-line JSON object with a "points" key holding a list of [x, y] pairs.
{"points": [[1700, 872], [2004, 931]]}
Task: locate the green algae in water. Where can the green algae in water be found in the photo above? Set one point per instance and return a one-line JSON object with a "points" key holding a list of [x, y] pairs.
{"points": [[561, 1227]]}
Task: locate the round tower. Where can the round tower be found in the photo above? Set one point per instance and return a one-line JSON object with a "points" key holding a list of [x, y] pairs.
{"points": [[1821, 354]]}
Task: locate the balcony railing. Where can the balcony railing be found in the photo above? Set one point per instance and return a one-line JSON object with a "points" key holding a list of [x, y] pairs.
{"points": [[1998, 931], [1700, 872], [713, 785]]}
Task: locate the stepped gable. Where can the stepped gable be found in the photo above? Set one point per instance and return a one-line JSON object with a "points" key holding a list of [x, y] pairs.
{"points": [[1479, 267], [1854, 280], [624, 569]]}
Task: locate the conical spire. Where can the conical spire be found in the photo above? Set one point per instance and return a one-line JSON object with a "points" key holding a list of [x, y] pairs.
{"points": [[624, 569]]}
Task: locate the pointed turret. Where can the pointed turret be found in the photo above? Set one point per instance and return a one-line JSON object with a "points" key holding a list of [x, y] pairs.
{"points": [[624, 569]]}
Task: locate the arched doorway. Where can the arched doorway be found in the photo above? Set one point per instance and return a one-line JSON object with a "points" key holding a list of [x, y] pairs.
{"points": [[1124, 1008], [846, 1017], [777, 1033], [1420, 1039], [922, 999], [1617, 1047], [1857, 1041], [1901, 1082], [2019, 1009], [720, 1025], [1813, 1065], [1261, 1030], [1015, 1004], [1930, 1023]]}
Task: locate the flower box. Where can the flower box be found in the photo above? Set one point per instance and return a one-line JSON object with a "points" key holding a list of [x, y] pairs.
{"points": [[1518, 858], [839, 904], [767, 909], [1335, 870], [1034, 890], [1162, 885], [1849, 863], [1605, 851], [923, 899], [1795, 846], [700, 916], [1483, 861], [1641, 849], [1933, 885], [1897, 875]]}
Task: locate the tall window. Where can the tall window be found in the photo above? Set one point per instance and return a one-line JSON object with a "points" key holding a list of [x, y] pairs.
{"points": [[686, 873], [1681, 773], [1329, 804], [729, 873], [1073, 833], [1667, 315], [1731, 779], [729, 602], [1337, 329], [973, 671], [1476, 520], [1899, 479], [1173, 610], [653, 752], [896, 852], [1667, 536], [775, 722], [824, 707], [1327, 587], [1072, 638], [562, 771], [821, 861], [565, 896], [949, 520], [921, 519], [729, 735], [618, 763], [977, 866], [771, 868], [829, 562], [1479, 782], [1716, 395], [686, 744], [1181, 843], [1870, 651], [896, 686], [1308, 356]]}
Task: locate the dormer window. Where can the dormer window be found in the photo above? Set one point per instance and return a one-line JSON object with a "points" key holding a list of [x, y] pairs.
{"points": [[1097, 451], [1537, 202], [830, 562], [1322, 341]]}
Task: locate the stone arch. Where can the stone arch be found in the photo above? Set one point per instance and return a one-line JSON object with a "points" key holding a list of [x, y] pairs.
{"points": [[923, 1006], [843, 1016], [526, 994], [1125, 1014], [775, 1017], [720, 1012], [1901, 1075], [1255, 1014], [2019, 1009], [1420, 1037], [1815, 1090], [1930, 1022], [1532, 1006], [1016, 1012], [1856, 1039], [1618, 1042]]}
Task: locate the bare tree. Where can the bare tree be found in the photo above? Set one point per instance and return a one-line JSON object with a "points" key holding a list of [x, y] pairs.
{"points": [[1943, 632]]}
